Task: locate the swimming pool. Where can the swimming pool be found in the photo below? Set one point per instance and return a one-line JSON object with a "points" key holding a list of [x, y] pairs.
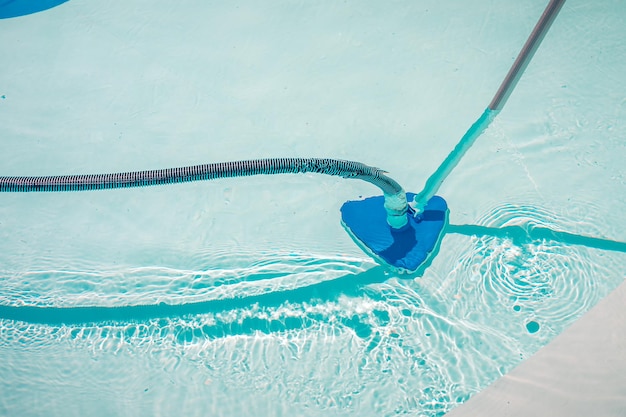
{"points": [[255, 300]]}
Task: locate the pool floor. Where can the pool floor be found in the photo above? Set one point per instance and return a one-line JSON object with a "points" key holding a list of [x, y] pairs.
{"points": [[245, 296]]}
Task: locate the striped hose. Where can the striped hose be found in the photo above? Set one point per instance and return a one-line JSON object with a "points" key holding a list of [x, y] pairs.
{"points": [[395, 198]]}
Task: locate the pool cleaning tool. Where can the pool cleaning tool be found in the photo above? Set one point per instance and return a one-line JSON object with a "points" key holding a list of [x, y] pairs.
{"points": [[402, 235]]}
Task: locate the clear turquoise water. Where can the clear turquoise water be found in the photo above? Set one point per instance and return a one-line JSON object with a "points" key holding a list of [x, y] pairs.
{"points": [[258, 302]]}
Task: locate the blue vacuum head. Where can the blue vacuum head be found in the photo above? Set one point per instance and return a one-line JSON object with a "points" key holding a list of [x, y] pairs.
{"points": [[407, 250]]}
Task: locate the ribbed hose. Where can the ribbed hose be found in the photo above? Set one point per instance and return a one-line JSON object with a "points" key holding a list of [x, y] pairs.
{"points": [[395, 197]]}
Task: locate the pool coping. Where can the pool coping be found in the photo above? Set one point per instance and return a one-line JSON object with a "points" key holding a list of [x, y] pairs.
{"points": [[580, 373]]}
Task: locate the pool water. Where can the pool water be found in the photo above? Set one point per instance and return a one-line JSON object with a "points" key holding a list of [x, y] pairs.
{"points": [[245, 296]]}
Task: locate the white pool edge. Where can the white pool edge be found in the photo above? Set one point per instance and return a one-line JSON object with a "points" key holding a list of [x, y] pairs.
{"points": [[582, 372]]}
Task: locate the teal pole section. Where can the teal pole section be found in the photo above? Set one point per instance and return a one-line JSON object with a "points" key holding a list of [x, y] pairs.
{"points": [[437, 178], [510, 81]]}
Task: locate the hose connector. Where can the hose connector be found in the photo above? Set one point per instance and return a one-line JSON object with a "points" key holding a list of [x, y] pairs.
{"points": [[396, 207]]}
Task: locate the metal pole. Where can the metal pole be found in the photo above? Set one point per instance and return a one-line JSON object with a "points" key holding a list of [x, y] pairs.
{"points": [[526, 54]]}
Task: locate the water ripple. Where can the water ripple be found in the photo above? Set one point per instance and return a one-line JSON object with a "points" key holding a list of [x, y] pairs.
{"points": [[546, 280]]}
